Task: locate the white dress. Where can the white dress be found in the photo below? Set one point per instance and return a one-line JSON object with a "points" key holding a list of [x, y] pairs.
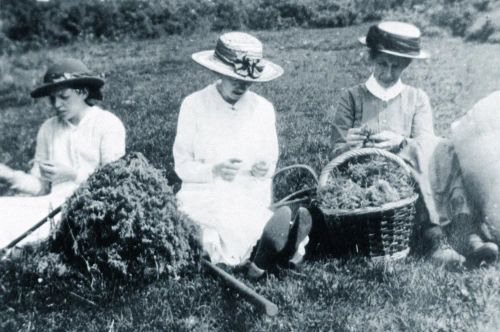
{"points": [[233, 214], [98, 139]]}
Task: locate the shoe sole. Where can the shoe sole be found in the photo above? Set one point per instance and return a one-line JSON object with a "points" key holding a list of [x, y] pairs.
{"points": [[274, 238], [484, 254], [300, 230]]}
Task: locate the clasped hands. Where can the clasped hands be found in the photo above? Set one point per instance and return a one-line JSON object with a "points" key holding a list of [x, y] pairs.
{"points": [[387, 140], [56, 172], [50, 172], [228, 169]]}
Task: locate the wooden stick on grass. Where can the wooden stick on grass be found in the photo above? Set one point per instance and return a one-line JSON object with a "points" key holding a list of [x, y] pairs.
{"points": [[258, 300], [51, 215]]}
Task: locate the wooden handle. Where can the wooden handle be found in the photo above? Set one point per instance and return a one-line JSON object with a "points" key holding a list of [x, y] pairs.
{"points": [[258, 300], [51, 215]]}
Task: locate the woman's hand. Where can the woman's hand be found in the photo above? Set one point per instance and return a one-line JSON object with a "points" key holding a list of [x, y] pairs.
{"points": [[259, 169], [228, 169], [6, 173], [386, 140], [355, 137], [56, 172]]}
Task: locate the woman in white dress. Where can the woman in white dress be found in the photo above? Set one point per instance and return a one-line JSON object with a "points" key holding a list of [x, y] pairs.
{"points": [[69, 147], [225, 152]]}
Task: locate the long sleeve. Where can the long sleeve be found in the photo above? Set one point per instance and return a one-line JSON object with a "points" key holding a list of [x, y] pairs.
{"points": [[32, 182], [113, 140], [272, 141], [422, 124], [343, 120], [187, 167]]}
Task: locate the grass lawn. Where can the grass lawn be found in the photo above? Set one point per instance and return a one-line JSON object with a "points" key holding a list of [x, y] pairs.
{"points": [[146, 82]]}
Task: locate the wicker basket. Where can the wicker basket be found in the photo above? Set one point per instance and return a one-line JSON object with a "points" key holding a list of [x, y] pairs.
{"points": [[302, 197], [373, 231]]}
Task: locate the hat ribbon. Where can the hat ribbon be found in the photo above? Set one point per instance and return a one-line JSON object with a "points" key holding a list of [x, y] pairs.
{"points": [[379, 39], [243, 64], [59, 77]]}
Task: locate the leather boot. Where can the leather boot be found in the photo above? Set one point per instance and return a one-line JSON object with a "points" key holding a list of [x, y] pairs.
{"points": [[446, 255], [481, 252], [272, 243], [440, 251]]}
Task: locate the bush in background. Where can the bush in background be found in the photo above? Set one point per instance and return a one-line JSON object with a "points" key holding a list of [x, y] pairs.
{"points": [[59, 22]]}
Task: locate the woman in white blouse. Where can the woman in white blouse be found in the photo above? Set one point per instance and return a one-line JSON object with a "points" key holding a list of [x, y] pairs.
{"points": [[69, 147], [226, 151]]}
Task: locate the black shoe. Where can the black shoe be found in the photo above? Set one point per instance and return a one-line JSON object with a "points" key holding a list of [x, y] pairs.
{"points": [[300, 230], [273, 241], [481, 252]]}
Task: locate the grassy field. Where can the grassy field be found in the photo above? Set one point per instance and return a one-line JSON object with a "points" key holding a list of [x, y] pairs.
{"points": [[146, 82]]}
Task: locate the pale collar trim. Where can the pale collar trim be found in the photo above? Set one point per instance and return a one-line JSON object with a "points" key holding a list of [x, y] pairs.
{"points": [[380, 92]]}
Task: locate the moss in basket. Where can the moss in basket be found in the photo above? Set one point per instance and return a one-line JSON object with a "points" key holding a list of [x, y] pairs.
{"points": [[369, 181], [124, 222]]}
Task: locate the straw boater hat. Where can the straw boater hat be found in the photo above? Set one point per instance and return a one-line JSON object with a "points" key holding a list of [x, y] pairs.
{"points": [[395, 38], [239, 55], [69, 73]]}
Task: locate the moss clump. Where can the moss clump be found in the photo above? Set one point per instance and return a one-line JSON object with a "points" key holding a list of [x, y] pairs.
{"points": [[369, 181], [124, 222]]}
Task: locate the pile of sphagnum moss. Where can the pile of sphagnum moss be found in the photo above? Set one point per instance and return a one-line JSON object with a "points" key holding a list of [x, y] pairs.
{"points": [[125, 221], [369, 181], [121, 226]]}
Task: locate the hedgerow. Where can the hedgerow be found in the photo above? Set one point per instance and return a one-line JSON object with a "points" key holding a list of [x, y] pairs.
{"points": [[33, 23]]}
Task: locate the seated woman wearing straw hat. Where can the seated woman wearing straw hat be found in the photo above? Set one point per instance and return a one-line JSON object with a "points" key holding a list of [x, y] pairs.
{"points": [[398, 118], [225, 152], [69, 147]]}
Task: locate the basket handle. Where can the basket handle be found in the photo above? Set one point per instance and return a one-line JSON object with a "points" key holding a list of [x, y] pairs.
{"points": [[301, 191], [341, 159]]}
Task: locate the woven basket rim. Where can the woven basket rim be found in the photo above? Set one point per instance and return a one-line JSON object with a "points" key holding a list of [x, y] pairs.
{"points": [[370, 210], [363, 152]]}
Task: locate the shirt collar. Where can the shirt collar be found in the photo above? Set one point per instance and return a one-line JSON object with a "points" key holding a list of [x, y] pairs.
{"points": [[236, 106], [74, 127], [380, 92]]}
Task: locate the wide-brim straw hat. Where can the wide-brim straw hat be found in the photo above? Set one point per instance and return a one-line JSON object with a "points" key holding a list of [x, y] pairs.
{"points": [[240, 56], [395, 38], [69, 73]]}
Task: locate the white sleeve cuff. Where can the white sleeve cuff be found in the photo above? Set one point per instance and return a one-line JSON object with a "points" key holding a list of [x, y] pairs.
{"points": [[81, 176]]}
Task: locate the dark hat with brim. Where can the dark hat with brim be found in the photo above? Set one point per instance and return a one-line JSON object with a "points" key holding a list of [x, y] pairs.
{"points": [[69, 73], [395, 38]]}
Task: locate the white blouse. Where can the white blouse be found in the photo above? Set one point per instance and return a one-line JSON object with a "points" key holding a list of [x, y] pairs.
{"points": [[98, 139], [231, 214], [210, 131]]}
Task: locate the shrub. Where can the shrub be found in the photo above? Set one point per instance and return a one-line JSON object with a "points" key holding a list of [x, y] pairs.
{"points": [[456, 17], [228, 16], [124, 222], [62, 21]]}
